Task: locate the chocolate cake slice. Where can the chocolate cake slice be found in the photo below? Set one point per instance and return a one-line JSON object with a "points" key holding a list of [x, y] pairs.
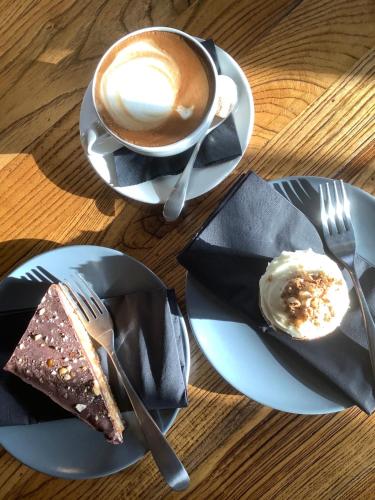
{"points": [[56, 356]]}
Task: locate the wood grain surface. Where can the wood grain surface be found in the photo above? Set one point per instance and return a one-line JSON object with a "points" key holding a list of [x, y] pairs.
{"points": [[311, 66]]}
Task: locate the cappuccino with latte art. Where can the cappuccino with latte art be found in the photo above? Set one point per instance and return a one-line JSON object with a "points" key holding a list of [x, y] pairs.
{"points": [[153, 88]]}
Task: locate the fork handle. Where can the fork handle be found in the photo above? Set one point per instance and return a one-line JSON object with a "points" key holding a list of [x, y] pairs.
{"points": [[367, 319], [168, 463]]}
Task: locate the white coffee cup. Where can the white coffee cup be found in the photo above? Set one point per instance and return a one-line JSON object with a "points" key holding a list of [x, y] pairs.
{"points": [[103, 139]]}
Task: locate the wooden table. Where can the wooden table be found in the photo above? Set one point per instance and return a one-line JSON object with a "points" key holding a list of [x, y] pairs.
{"points": [[311, 65]]}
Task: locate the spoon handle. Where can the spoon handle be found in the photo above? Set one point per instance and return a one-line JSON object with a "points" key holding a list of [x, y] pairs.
{"points": [[176, 201], [167, 461]]}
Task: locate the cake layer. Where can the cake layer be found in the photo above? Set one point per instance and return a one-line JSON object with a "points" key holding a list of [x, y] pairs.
{"points": [[56, 356]]}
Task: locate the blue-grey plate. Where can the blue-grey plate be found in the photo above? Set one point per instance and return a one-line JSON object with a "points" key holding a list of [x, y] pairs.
{"points": [[69, 448], [276, 379]]}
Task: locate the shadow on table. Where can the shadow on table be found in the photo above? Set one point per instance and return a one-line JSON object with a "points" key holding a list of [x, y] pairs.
{"points": [[20, 250], [75, 175]]}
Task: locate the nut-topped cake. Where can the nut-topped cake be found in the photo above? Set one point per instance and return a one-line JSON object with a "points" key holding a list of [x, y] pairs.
{"points": [[56, 356], [304, 294]]}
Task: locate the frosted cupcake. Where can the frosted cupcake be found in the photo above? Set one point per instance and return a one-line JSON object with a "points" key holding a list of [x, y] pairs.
{"points": [[304, 294]]}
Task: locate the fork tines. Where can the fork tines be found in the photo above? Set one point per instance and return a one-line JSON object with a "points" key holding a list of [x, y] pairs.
{"points": [[85, 297], [335, 208]]}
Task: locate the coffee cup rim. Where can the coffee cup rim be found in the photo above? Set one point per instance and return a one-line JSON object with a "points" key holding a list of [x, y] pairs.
{"points": [[194, 136]]}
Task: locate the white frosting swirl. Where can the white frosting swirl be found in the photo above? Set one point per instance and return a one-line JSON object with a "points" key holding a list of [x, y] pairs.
{"points": [[290, 265], [140, 86]]}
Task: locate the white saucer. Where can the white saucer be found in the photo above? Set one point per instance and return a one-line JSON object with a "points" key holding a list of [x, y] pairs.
{"points": [[202, 179]]}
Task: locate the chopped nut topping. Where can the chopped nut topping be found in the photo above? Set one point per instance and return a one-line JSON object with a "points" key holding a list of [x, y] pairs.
{"points": [[62, 371], [80, 407], [96, 388], [50, 363], [42, 311], [305, 294], [293, 302], [37, 336]]}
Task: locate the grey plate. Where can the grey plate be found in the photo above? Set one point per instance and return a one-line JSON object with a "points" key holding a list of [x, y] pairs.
{"points": [[275, 379], [69, 448]]}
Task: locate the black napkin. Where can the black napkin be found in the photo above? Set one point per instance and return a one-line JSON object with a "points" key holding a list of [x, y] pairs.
{"points": [[148, 340], [253, 224], [222, 144]]}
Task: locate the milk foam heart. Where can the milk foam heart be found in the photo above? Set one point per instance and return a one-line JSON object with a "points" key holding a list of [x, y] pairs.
{"points": [[153, 88], [126, 91]]}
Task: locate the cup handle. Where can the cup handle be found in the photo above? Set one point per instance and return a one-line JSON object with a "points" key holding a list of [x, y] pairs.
{"points": [[96, 140], [227, 95]]}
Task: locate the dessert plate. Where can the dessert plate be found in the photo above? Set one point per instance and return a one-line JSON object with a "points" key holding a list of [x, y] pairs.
{"points": [[69, 448], [277, 379], [202, 179]]}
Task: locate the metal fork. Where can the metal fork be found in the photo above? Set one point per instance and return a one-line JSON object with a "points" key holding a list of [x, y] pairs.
{"points": [[340, 240], [99, 325]]}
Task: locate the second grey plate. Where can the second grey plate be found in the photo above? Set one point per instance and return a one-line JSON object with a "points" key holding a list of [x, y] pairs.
{"points": [[277, 379]]}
